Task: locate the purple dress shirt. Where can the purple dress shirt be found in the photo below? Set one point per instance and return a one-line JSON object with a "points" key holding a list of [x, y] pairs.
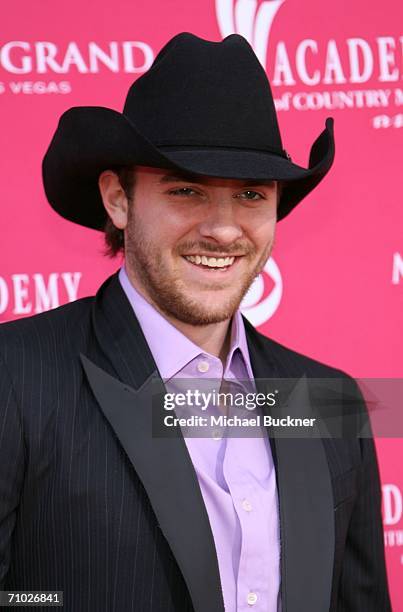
{"points": [[236, 475]]}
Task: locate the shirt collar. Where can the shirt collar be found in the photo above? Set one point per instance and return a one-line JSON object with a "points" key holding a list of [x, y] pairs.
{"points": [[160, 334]]}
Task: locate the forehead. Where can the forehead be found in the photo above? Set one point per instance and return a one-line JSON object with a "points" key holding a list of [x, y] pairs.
{"points": [[163, 176]]}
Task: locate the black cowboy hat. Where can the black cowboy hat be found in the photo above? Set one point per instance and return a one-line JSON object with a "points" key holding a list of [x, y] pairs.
{"points": [[203, 107]]}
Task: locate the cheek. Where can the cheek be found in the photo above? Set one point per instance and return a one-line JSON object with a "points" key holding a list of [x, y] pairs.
{"points": [[161, 230], [162, 218], [262, 233]]}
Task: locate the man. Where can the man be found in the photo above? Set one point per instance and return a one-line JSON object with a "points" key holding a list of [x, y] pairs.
{"points": [[189, 181]]}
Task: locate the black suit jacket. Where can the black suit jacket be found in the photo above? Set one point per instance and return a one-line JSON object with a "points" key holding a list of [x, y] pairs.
{"points": [[91, 504]]}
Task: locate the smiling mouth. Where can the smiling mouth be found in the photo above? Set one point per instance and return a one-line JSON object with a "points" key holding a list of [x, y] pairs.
{"points": [[211, 263]]}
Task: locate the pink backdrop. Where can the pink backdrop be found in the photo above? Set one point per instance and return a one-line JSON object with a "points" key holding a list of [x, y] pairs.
{"points": [[334, 288]]}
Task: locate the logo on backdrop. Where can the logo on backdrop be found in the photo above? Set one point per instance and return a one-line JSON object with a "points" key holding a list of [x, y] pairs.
{"points": [[392, 506], [397, 269], [24, 61], [23, 294], [348, 63], [249, 19], [264, 295]]}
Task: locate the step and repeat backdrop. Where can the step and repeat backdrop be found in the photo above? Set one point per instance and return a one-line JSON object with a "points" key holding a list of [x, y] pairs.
{"points": [[333, 288]]}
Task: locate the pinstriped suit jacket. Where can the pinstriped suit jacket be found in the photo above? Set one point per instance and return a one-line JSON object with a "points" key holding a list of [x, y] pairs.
{"points": [[91, 504]]}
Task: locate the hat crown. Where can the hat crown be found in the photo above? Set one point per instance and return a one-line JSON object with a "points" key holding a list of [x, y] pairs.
{"points": [[203, 107], [200, 93]]}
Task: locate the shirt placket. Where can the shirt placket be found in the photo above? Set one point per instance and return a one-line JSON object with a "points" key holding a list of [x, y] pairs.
{"points": [[252, 583]]}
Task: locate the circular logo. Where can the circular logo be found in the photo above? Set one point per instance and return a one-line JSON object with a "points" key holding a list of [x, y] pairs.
{"points": [[264, 295]]}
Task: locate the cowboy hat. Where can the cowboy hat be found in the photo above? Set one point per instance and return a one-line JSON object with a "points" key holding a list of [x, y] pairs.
{"points": [[203, 107]]}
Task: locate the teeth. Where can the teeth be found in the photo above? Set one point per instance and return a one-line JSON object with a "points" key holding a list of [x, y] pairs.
{"points": [[211, 262]]}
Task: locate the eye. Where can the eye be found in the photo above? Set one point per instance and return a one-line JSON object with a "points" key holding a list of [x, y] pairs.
{"points": [[182, 191], [250, 195]]}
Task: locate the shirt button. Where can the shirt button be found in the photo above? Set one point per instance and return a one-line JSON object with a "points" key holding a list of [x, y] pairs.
{"points": [[246, 505], [217, 435], [251, 598], [203, 366]]}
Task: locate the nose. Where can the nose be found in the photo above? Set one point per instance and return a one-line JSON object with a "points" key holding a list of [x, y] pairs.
{"points": [[220, 223]]}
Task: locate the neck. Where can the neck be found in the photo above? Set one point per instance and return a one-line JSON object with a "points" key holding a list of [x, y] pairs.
{"points": [[214, 338]]}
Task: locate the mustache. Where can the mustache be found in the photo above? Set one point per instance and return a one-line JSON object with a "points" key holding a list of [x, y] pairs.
{"points": [[238, 248]]}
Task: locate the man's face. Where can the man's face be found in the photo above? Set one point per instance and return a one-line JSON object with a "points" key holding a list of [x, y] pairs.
{"points": [[194, 245]]}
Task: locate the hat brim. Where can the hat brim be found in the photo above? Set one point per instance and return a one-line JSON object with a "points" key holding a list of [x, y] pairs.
{"points": [[89, 140]]}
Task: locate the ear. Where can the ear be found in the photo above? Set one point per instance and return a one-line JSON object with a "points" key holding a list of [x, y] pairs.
{"points": [[114, 198]]}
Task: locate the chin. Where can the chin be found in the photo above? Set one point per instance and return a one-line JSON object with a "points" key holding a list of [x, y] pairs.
{"points": [[198, 318], [196, 310]]}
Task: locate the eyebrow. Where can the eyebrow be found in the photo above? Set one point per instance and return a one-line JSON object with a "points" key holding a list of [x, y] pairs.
{"points": [[184, 178], [192, 178]]}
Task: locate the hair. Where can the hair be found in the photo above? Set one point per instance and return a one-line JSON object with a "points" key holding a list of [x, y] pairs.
{"points": [[114, 237]]}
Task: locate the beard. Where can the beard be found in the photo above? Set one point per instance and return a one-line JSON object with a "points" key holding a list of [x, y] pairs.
{"points": [[168, 291]]}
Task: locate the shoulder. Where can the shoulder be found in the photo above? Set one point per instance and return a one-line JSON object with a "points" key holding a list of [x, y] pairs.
{"points": [[333, 392], [292, 362], [44, 335]]}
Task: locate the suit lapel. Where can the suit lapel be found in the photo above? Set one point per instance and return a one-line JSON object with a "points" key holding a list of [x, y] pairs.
{"points": [[305, 494], [124, 379]]}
